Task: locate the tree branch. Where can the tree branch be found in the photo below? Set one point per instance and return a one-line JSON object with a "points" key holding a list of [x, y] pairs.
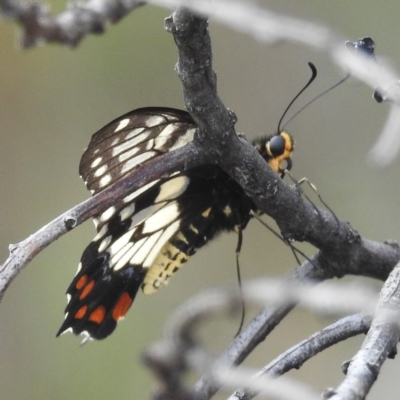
{"points": [[339, 243], [181, 348], [380, 344], [69, 27], [263, 324], [297, 355]]}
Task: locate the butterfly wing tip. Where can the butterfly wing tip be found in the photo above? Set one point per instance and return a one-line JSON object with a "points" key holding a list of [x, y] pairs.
{"points": [[63, 330], [87, 338]]}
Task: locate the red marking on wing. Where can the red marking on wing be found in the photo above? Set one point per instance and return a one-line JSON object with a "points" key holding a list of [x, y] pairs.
{"points": [[98, 315], [81, 312], [86, 290], [82, 282], [122, 306]]}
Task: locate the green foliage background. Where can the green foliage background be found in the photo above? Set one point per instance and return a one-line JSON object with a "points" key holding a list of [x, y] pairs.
{"points": [[53, 98]]}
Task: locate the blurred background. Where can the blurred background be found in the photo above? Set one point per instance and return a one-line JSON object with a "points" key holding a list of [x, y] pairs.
{"points": [[53, 98]]}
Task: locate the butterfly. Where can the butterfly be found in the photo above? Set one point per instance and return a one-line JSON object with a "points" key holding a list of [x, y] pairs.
{"points": [[146, 237]]}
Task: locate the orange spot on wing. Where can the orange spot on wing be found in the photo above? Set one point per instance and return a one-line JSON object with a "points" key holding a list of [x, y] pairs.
{"points": [[81, 312], [86, 290], [98, 315], [82, 282], [122, 306]]}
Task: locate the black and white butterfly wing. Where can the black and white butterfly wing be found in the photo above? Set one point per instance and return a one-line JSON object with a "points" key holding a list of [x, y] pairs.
{"points": [[133, 231], [143, 239], [131, 140]]}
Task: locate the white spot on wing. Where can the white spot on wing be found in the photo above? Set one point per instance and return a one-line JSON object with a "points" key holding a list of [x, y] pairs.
{"points": [[168, 130], [172, 188], [102, 232], [150, 144], [163, 137], [120, 243], [123, 258], [128, 255], [144, 251], [96, 162], [138, 192], [184, 139], [133, 133], [122, 124], [127, 154], [104, 244], [105, 180], [116, 257], [133, 162], [167, 233], [108, 214], [145, 213], [171, 117], [79, 268], [160, 142], [100, 171], [154, 120], [161, 218], [127, 212], [127, 144]]}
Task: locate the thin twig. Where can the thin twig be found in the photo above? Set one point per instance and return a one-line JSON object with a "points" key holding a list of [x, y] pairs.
{"points": [[297, 355], [380, 344]]}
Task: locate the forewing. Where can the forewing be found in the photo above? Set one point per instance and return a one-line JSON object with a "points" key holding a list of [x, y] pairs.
{"points": [[131, 140]]}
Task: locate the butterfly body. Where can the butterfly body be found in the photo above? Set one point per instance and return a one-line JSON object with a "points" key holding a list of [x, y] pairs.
{"points": [[146, 237]]}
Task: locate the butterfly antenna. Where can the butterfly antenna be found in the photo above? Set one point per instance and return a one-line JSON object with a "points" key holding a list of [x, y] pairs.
{"points": [[238, 248], [313, 76], [316, 98]]}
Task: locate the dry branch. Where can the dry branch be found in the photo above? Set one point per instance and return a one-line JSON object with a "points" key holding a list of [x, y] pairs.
{"points": [[69, 28], [380, 344], [297, 355]]}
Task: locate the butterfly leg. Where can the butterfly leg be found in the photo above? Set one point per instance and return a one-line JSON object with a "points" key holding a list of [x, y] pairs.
{"points": [[298, 183]]}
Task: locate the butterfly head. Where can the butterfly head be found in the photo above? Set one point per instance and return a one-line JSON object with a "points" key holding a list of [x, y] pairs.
{"points": [[277, 150]]}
